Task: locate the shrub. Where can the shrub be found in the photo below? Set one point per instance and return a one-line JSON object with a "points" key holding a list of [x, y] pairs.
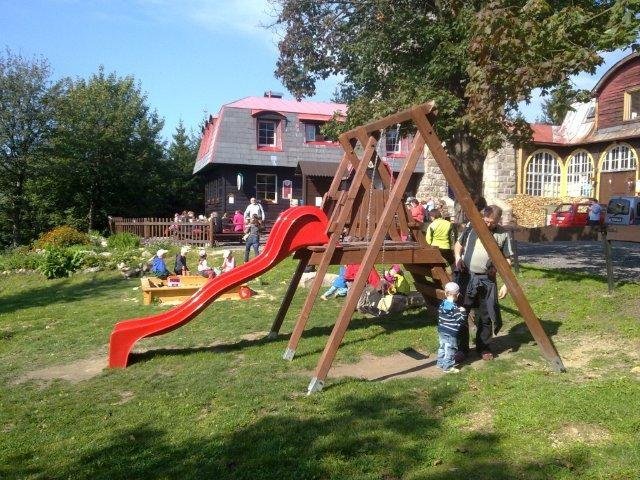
{"points": [[64, 236], [18, 258], [60, 262], [123, 241]]}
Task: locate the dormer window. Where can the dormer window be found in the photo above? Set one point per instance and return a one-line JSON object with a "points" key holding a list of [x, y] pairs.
{"points": [[632, 104], [267, 132]]}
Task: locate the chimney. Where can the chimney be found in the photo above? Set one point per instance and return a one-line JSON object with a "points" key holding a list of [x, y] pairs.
{"points": [[272, 94]]}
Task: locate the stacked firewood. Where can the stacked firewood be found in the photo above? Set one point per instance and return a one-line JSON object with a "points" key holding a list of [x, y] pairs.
{"points": [[529, 211]]}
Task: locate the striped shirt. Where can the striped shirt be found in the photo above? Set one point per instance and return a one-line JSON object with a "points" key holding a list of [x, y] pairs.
{"points": [[451, 318]]}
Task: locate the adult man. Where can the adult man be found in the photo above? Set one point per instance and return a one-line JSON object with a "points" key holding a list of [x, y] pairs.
{"points": [[477, 279], [254, 208], [594, 213]]}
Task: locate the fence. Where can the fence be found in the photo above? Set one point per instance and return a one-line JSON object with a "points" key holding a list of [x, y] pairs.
{"points": [[199, 232]]}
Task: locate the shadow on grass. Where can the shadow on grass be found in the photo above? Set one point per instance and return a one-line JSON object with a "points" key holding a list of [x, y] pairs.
{"points": [[60, 291], [390, 324], [374, 435]]}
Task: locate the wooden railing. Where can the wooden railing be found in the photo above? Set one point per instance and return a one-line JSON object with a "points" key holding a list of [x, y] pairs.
{"points": [[198, 232]]}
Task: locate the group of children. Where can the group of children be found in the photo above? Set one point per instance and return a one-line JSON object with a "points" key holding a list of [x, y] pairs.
{"points": [[452, 318], [159, 266]]}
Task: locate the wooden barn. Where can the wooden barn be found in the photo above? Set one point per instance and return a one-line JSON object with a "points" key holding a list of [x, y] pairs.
{"points": [[594, 153]]}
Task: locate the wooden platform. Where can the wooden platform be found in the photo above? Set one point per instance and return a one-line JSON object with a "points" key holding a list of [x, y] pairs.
{"points": [[154, 288]]}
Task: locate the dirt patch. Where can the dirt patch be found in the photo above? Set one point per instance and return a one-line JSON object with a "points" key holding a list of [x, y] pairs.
{"points": [[73, 372], [587, 349], [579, 433], [480, 421], [405, 364], [250, 337], [125, 397]]}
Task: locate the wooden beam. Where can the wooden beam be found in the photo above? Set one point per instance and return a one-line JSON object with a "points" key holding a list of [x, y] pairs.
{"points": [[288, 296], [462, 194], [368, 261]]}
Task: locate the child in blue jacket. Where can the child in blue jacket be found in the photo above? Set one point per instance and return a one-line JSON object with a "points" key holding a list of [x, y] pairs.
{"points": [[338, 287], [451, 318]]}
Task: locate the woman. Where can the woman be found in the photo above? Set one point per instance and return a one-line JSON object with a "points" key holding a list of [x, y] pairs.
{"points": [[252, 234], [238, 221]]}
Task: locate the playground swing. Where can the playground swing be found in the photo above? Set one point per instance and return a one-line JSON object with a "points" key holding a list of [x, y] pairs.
{"points": [[314, 236]]}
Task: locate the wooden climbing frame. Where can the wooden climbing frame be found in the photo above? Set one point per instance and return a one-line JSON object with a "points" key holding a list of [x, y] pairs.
{"points": [[364, 206]]}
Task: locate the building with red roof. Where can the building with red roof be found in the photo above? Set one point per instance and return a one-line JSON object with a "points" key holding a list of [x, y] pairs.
{"points": [[272, 148]]}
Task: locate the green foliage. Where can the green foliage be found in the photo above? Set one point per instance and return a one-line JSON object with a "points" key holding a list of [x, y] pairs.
{"points": [[476, 59], [559, 103], [123, 241], [185, 191], [60, 262], [26, 121], [19, 258], [63, 236]]}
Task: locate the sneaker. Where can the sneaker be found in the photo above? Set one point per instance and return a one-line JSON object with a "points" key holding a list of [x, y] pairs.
{"points": [[452, 370], [486, 355]]}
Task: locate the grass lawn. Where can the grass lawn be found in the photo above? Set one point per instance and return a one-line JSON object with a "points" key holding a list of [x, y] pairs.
{"points": [[209, 400]]}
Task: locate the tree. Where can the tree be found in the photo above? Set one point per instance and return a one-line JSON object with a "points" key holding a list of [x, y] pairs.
{"points": [[559, 103], [26, 121], [186, 191], [476, 59], [107, 151]]}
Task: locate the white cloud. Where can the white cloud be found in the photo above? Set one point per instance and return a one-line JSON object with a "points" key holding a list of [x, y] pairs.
{"points": [[247, 17]]}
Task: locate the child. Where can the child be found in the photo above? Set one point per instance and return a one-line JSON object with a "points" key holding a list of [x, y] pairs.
{"points": [[394, 282], [158, 266], [181, 261], [228, 261], [338, 287], [203, 268], [451, 318]]}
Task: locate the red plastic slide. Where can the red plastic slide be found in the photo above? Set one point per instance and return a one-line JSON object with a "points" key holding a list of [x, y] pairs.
{"points": [[295, 228]]}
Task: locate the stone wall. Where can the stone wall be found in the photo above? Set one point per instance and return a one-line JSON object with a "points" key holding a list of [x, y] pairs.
{"points": [[499, 179]]}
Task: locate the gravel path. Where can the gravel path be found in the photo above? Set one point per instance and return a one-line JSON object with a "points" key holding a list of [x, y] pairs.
{"points": [[587, 257]]}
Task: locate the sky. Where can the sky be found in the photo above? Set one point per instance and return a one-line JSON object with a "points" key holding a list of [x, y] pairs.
{"points": [[190, 56]]}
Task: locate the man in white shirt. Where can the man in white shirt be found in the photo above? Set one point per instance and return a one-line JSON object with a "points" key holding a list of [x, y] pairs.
{"points": [[254, 208]]}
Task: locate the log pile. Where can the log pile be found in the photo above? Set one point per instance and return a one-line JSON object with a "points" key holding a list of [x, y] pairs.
{"points": [[529, 211]]}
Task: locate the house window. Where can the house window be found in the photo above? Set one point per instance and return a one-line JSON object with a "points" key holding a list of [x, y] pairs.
{"points": [[543, 175], [267, 133], [579, 175], [393, 141], [619, 159], [312, 132], [266, 187], [632, 105]]}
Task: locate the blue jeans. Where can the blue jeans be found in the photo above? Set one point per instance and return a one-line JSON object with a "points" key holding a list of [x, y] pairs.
{"points": [[447, 350], [252, 241], [339, 292]]}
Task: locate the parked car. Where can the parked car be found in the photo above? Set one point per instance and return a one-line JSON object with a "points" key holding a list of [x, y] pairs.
{"points": [[573, 215], [623, 211]]}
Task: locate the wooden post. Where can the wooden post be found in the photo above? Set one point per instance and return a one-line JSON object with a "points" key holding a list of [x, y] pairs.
{"points": [[288, 297], [455, 182], [368, 261], [608, 259]]}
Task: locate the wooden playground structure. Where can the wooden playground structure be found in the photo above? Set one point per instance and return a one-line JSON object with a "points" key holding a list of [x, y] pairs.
{"points": [[368, 224]]}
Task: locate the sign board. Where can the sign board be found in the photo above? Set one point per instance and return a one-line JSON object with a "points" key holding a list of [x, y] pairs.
{"points": [[287, 189]]}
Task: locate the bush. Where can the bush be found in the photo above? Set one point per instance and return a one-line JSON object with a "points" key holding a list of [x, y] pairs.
{"points": [[19, 258], [123, 241], [60, 262], [64, 236]]}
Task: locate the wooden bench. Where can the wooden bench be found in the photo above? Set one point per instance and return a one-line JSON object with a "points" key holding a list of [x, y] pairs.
{"points": [[158, 289]]}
